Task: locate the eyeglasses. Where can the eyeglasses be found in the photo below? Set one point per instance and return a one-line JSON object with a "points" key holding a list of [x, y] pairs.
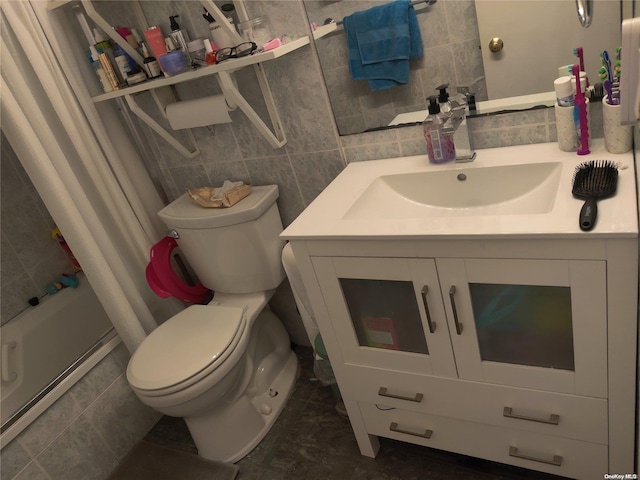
{"points": [[242, 50]]}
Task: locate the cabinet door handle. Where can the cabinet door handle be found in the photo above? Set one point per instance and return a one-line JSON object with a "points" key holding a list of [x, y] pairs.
{"points": [[384, 393], [394, 428], [552, 420], [432, 324], [452, 293], [557, 459]]}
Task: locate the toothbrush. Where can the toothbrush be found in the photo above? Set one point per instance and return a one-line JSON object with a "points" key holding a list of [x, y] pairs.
{"points": [[606, 74], [580, 54], [581, 111], [616, 73]]}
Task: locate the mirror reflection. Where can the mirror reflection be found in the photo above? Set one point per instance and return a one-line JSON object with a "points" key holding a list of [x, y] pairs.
{"points": [[456, 40]]}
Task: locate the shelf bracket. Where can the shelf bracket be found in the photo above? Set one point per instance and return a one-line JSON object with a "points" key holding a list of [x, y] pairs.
{"points": [[276, 138], [109, 30], [159, 129]]}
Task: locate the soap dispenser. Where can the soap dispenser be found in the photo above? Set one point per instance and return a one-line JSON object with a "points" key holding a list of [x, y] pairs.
{"points": [[180, 38], [440, 147]]}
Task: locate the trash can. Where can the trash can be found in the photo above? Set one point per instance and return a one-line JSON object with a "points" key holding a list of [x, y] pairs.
{"points": [[322, 367]]}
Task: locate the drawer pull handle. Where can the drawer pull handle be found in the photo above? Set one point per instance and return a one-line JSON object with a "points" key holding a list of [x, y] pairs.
{"points": [[557, 459], [452, 293], [394, 428], [552, 420], [384, 393], [432, 324]]}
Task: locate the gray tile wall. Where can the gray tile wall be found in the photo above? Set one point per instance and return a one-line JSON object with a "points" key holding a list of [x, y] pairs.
{"points": [[314, 153], [86, 433], [30, 258]]}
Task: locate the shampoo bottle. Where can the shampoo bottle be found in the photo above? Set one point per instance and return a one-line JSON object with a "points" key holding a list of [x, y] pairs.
{"points": [[440, 147]]}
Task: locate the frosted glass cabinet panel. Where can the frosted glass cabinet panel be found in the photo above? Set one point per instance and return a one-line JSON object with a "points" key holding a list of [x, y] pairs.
{"points": [[384, 311], [528, 323], [524, 324], [385, 314]]}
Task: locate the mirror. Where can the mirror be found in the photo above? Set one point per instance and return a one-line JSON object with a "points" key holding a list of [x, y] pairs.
{"points": [[456, 52]]}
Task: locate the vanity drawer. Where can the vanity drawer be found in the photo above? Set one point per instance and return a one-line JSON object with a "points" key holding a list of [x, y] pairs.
{"points": [[548, 413], [545, 453]]}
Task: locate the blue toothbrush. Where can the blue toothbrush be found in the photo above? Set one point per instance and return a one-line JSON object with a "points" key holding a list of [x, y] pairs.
{"points": [[606, 74]]}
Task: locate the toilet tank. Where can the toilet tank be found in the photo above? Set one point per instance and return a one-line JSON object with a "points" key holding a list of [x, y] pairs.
{"points": [[235, 249]]}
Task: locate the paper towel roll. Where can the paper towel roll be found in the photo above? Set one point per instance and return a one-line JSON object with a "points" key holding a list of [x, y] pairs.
{"points": [[198, 113]]}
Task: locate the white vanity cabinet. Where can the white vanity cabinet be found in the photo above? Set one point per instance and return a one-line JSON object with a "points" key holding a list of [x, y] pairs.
{"points": [[506, 359]]}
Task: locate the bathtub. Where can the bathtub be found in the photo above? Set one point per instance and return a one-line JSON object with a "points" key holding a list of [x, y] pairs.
{"points": [[40, 345]]}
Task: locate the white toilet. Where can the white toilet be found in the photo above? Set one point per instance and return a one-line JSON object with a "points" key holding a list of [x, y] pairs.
{"points": [[226, 367]]}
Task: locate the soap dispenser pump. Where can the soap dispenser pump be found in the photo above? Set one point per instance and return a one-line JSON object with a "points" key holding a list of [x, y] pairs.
{"points": [[443, 99], [179, 37], [440, 146]]}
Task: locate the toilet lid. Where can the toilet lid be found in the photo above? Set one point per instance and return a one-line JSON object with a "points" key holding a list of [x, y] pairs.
{"points": [[195, 339]]}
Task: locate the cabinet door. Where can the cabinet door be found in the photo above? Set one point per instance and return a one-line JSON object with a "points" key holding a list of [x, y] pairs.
{"points": [[387, 312], [531, 323]]}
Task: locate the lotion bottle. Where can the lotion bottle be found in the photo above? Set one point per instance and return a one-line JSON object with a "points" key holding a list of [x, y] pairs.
{"points": [[440, 147]]}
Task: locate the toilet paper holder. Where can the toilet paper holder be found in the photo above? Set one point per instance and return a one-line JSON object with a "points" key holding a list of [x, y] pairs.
{"points": [[164, 96]]}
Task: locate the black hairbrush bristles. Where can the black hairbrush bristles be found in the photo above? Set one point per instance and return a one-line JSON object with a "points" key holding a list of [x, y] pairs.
{"points": [[593, 180]]}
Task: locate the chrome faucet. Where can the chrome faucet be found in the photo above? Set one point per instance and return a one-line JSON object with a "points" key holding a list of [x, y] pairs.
{"points": [[460, 128]]}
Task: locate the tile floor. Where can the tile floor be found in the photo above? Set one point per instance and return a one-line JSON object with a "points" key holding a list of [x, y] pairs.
{"points": [[311, 441]]}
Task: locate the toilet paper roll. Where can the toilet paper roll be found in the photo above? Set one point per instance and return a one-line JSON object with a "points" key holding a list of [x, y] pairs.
{"points": [[198, 113]]}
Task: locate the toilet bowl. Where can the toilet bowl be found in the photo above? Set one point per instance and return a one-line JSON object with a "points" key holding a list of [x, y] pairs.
{"points": [[226, 367]]}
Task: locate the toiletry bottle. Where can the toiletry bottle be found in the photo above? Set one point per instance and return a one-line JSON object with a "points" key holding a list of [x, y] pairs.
{"points": [[122, 61], [180, 38], [210, 55], [564, 91], [100, 72], [440, 147], [103, 46], [220, 36], [156, 42], [151, 66]]}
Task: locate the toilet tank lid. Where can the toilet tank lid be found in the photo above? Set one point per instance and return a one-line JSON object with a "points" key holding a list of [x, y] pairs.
{"points": [[184, 213]]}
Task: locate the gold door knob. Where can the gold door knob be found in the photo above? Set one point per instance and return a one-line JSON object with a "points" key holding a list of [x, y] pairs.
{"points": [[496, 44]]}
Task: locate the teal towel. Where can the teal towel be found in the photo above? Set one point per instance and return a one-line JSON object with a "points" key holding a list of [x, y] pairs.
{"points": [[381, 40]]}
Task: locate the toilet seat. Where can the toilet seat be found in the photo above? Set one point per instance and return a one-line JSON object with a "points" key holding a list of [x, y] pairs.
{"points": [[186, 348]]}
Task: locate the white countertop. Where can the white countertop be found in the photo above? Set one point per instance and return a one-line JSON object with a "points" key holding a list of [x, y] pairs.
{"points": [[617, 216]]}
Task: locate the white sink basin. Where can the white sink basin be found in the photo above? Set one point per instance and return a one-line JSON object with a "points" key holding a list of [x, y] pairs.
{"points": [[490, 190]]}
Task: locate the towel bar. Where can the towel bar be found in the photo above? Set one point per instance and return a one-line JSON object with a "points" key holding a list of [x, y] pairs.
{"points": [[414, 2]]}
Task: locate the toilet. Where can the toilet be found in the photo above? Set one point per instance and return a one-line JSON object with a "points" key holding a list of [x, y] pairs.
{"points": [[226, 367]]}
